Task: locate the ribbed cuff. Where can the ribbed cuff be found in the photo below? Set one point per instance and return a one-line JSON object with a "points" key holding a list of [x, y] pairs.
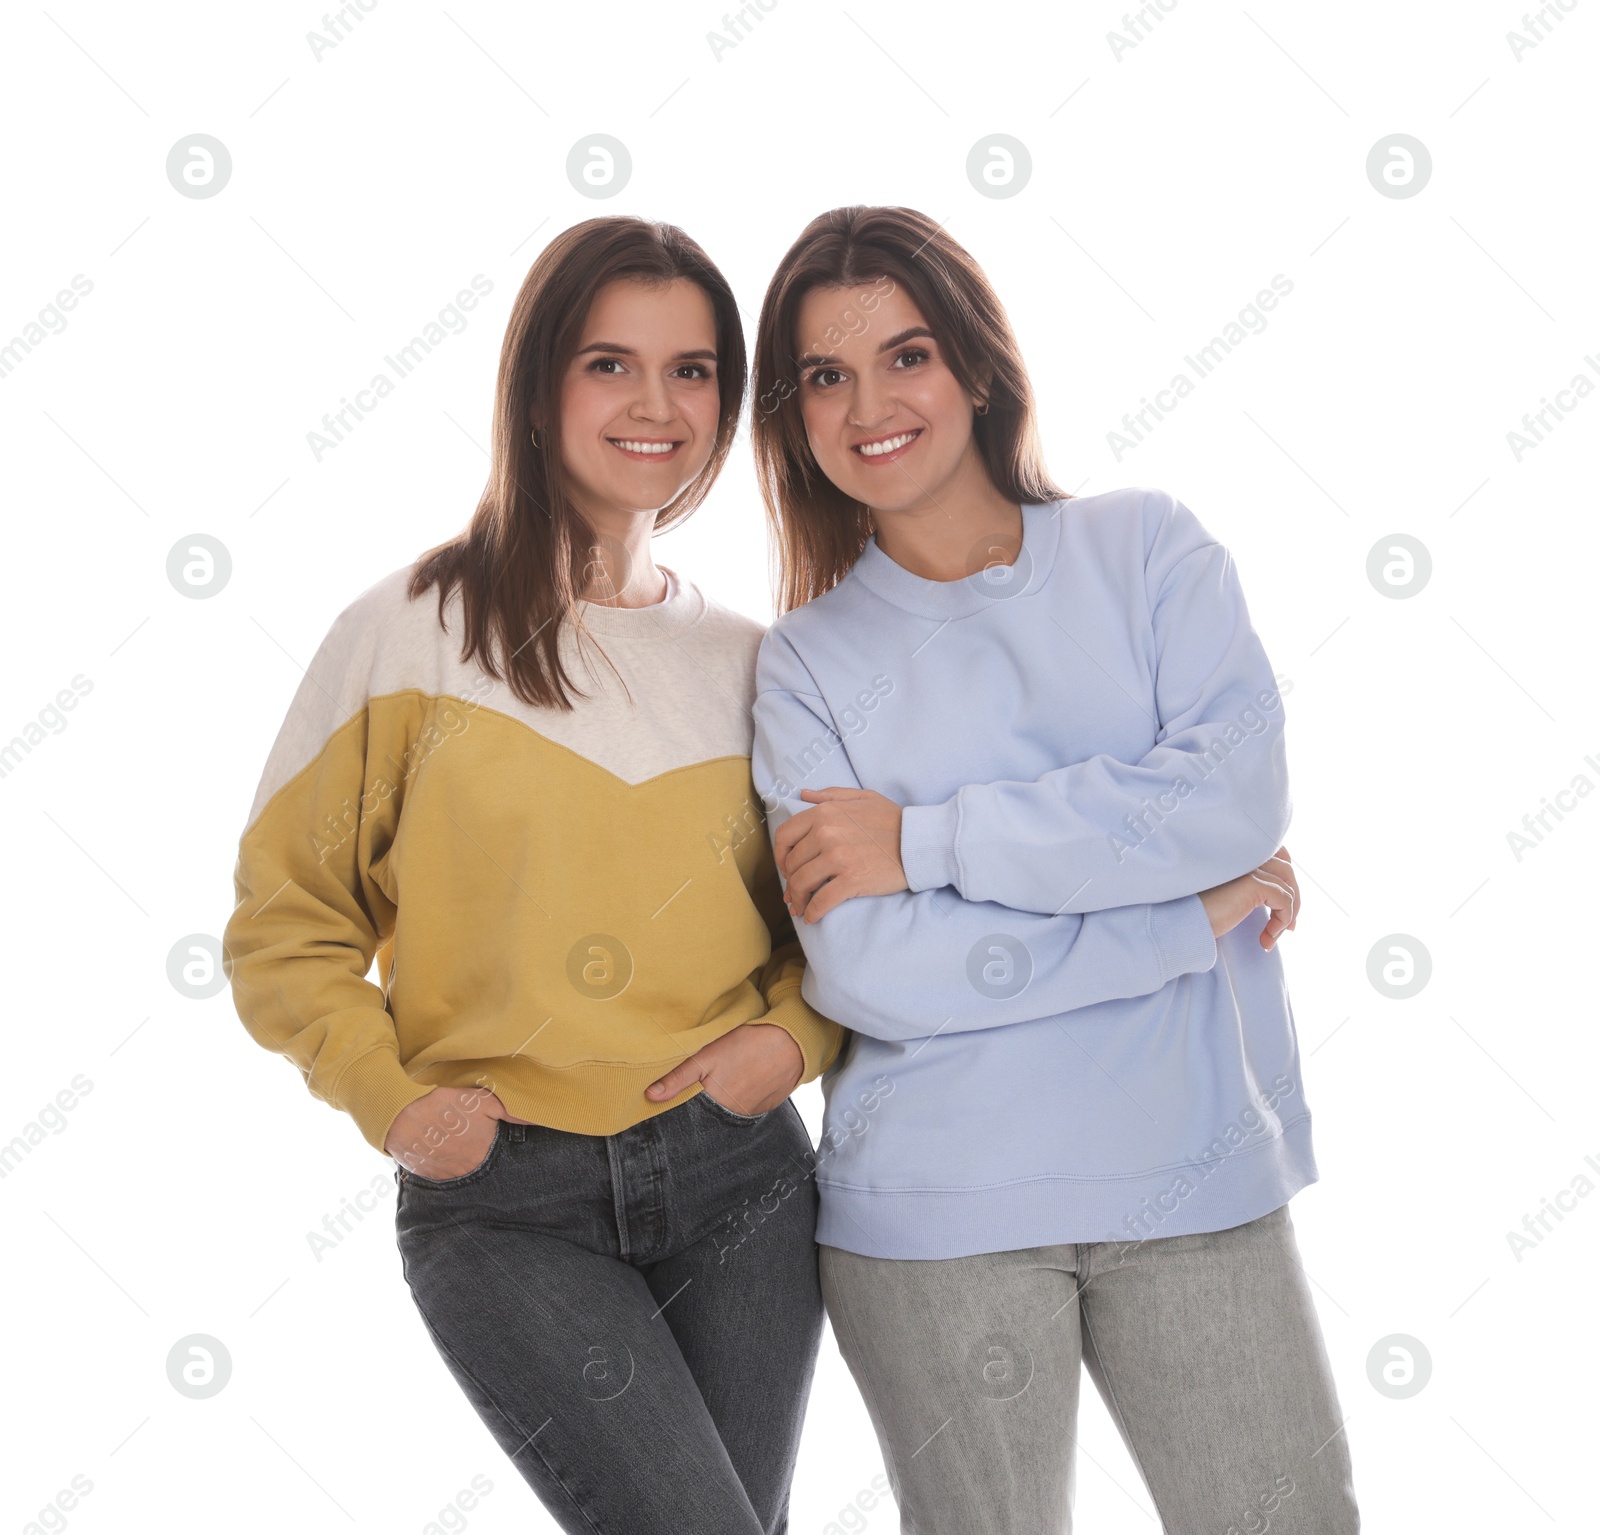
{"points": [[1183, 938], [819, 1038], [928, 845], [374, 1089]]}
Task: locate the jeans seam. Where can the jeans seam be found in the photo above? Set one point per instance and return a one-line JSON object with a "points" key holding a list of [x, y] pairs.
{"points": [[845, 1323], [1116, 1406], [619, 1197], [527, 1439]]}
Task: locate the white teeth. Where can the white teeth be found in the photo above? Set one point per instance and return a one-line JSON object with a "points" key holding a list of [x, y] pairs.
{"points": [[888, 445], [645, 447]]}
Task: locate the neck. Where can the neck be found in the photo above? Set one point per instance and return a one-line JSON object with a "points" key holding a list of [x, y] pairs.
{"points": [[622, 572], [955, 529]]}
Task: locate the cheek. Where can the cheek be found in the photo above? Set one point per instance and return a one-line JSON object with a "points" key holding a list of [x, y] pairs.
{"points": [[584, 413], [942, 403], [823, 417], [589, 413], [702, 408]]}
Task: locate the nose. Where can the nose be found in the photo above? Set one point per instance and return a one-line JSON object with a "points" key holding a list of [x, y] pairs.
{"points": [[653, 403], [871, 404]]}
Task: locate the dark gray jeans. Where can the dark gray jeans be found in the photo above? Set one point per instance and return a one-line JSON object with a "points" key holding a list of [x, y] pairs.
{"points": [[635, 1316]]}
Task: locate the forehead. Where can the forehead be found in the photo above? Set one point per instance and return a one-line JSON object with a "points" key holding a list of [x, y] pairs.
{"points": [[830, 318], [627, 308]]}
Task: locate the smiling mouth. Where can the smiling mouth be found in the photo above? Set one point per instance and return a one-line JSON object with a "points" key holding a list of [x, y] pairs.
{"points": [[645, 447], [885, 447]]}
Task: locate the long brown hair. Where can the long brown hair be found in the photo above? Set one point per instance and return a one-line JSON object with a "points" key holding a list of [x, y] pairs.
{"points": [[818, 531], [525, 558]]}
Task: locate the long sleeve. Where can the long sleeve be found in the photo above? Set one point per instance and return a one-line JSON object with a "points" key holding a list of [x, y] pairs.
{"points": [[913, 964], [1209, 802], [782, 978], [309, 915], [565, 902]]}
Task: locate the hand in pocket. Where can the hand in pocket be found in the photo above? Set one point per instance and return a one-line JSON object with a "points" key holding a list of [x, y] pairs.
{"points": [[446, 1133], [751, 1069]]}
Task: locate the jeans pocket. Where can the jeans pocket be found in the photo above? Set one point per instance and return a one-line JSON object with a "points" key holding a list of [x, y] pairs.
{"points": [[723, 1112], [416, 1180]]}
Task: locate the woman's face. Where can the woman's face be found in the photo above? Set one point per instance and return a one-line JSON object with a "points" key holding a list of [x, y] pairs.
{"points": [[886, 418], [639, 403]]}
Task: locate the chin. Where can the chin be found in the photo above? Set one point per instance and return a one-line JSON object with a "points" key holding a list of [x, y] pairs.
{"points": [[902, 500]]}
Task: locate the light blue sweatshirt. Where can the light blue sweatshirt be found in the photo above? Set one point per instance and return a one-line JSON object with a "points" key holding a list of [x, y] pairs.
{"points": [[1049, 1045]]}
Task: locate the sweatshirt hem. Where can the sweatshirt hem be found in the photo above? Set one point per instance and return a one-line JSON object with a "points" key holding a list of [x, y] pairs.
{"points": [[591, 1098], [1178, 1200]]}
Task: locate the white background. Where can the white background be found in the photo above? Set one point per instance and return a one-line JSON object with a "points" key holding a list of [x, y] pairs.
{"points": [[1169, 185]]}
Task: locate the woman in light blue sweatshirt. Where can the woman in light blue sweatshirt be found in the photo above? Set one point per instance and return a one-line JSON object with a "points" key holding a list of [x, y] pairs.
{"points": [[1023, 760]]}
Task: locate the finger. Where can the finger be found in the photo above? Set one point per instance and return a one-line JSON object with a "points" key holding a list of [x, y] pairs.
{"points": [[1287, 875], [829, 896], [1273, 892], [802, 847], [809, 877], [1275, 898], [1264, 876], [822, 796], [683, 1075], [802, 850], [1284, 882], [789, 833], [1280, 915]]}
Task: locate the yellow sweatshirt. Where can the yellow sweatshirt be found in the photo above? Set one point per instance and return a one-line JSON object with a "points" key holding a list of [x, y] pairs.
{"points": [[562, 905]]}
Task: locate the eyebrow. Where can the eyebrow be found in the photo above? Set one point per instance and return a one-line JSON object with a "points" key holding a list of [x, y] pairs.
{"points": [[816, 359], [703, 353]]}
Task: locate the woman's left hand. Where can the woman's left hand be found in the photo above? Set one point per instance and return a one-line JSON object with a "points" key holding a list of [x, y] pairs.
{"points": [[751, 1069], [848, 845]]}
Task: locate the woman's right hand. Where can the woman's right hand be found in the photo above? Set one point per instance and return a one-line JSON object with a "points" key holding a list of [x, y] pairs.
{"points": [[446, 1133], [1273, 885]]}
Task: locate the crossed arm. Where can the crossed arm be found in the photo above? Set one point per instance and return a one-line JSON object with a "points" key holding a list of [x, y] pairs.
{"points": [[1069, 868], [848, 845]]}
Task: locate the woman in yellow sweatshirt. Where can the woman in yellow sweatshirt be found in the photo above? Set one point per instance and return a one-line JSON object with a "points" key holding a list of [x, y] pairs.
{"points": [[516, 777]]}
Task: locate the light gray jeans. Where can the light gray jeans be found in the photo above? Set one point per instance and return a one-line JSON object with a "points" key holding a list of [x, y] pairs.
{"points": [[1205, 1349]]}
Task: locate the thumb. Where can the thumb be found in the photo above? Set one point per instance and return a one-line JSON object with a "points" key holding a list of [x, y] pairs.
{"points": [[822, 795], [490, 1104]]}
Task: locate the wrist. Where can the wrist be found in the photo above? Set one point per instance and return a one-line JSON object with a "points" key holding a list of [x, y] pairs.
{"points": [[784, 1046]]}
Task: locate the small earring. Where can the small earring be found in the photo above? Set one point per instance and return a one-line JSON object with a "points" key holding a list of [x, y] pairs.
{"points": [[981, 410], [536, 439]]}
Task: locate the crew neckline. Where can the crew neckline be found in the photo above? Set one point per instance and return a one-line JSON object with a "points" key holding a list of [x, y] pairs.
{"points": [[1041, 537], [682, 607]]}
